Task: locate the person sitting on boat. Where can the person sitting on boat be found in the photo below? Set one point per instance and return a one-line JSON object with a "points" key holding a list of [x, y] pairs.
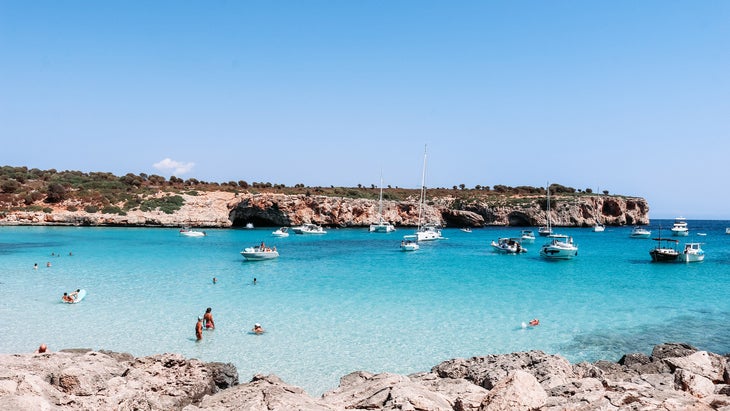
{"points": [[67, 298], [74, 295], [534, 322]]}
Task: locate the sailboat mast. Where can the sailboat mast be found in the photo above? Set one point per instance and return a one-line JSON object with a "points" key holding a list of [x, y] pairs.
{"points": [[549, 225], [422, 199], [380, 202]]}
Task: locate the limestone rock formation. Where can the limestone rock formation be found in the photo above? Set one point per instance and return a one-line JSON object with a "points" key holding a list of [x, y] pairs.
{"points": [[225, 209], [583, 211], [681, 378], [78, 380]]}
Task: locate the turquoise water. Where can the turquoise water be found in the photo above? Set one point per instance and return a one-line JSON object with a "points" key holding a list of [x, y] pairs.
{"points": [[351, 300]]}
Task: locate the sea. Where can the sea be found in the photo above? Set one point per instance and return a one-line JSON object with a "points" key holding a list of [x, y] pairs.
{"points": [[350, 300]]}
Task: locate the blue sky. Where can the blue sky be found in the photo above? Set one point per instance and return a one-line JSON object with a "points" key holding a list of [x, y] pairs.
{"points": [[627, 96]]}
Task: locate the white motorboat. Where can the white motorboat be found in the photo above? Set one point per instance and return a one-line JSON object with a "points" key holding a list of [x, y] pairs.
{"points": [[281, 232], [547, 229], [665, 250], [409, 243], [727, 230], [189, 232], [466, 229], [527, 236], [508, 246], [429, 231], [640, 232], [309, 229], [259, 252], [679, 229], [693, 252], [381, 226], [560, 247], [249, 226]]}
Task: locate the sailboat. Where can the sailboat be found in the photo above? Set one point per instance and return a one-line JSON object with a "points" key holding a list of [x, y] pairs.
{"points": [[382, 226], [546, 230], [598, 227], [429, 231]]}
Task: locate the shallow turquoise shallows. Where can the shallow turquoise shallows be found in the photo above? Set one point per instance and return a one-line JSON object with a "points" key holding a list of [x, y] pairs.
{"points": [[351, 300]]}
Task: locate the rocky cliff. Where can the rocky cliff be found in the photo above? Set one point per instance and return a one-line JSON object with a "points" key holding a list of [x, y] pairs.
{"points": [[226, 209], [674, 377]]}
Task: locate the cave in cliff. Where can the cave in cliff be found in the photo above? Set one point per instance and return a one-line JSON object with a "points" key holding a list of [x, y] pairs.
{"points": [[517, 219], [257, 221]]}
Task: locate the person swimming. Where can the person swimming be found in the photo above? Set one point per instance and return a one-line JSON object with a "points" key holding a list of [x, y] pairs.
{"points": [[257, 329]]}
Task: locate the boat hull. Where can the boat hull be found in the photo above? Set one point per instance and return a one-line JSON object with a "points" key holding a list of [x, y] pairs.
{"points": [[663, 255], [507, 249], [558, 253], [428, 233], [692, 253], [693, 257], [254, 254], [646, 235], [382, 228], [309, 229], [428, 236], [282, 232], [192, 233], [508, 246], [527, 236], [409, 247]]}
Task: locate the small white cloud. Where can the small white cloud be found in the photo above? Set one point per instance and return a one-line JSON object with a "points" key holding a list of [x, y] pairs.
{"points": [[173, 167]]}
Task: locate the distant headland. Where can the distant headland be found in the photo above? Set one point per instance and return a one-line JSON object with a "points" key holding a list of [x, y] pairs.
{"points": [[50, 197]]}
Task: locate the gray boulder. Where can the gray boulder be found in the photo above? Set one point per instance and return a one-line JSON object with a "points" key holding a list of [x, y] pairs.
{"points": [[549, 370]]}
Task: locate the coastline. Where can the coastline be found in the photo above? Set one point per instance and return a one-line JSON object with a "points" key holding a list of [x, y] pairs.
{"points": [[221, 209], [673, 376]]}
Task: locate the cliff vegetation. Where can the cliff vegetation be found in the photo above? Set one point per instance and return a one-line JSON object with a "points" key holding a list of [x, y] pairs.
{"points": [[33, 196]]}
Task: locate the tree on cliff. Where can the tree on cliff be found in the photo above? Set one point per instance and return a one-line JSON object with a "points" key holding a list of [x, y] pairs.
{"points": [[56, 193]]}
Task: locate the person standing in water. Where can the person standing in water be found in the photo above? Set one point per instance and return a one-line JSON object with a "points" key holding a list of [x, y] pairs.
{"points": [[199, 329], [208, 319]]}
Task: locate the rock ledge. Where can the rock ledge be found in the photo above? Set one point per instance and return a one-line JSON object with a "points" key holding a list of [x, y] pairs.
{"points": [[674, 377]]}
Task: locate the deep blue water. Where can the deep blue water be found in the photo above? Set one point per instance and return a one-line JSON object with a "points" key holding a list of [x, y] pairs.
{"points": [[351, 300]]}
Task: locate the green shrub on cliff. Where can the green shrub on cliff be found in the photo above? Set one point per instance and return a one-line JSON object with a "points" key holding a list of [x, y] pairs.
{"points": [[167, 204], [113, 210], [20, 187]]}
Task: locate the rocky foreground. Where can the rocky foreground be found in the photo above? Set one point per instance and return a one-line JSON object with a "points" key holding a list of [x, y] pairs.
{"points": [[674, 377]]}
